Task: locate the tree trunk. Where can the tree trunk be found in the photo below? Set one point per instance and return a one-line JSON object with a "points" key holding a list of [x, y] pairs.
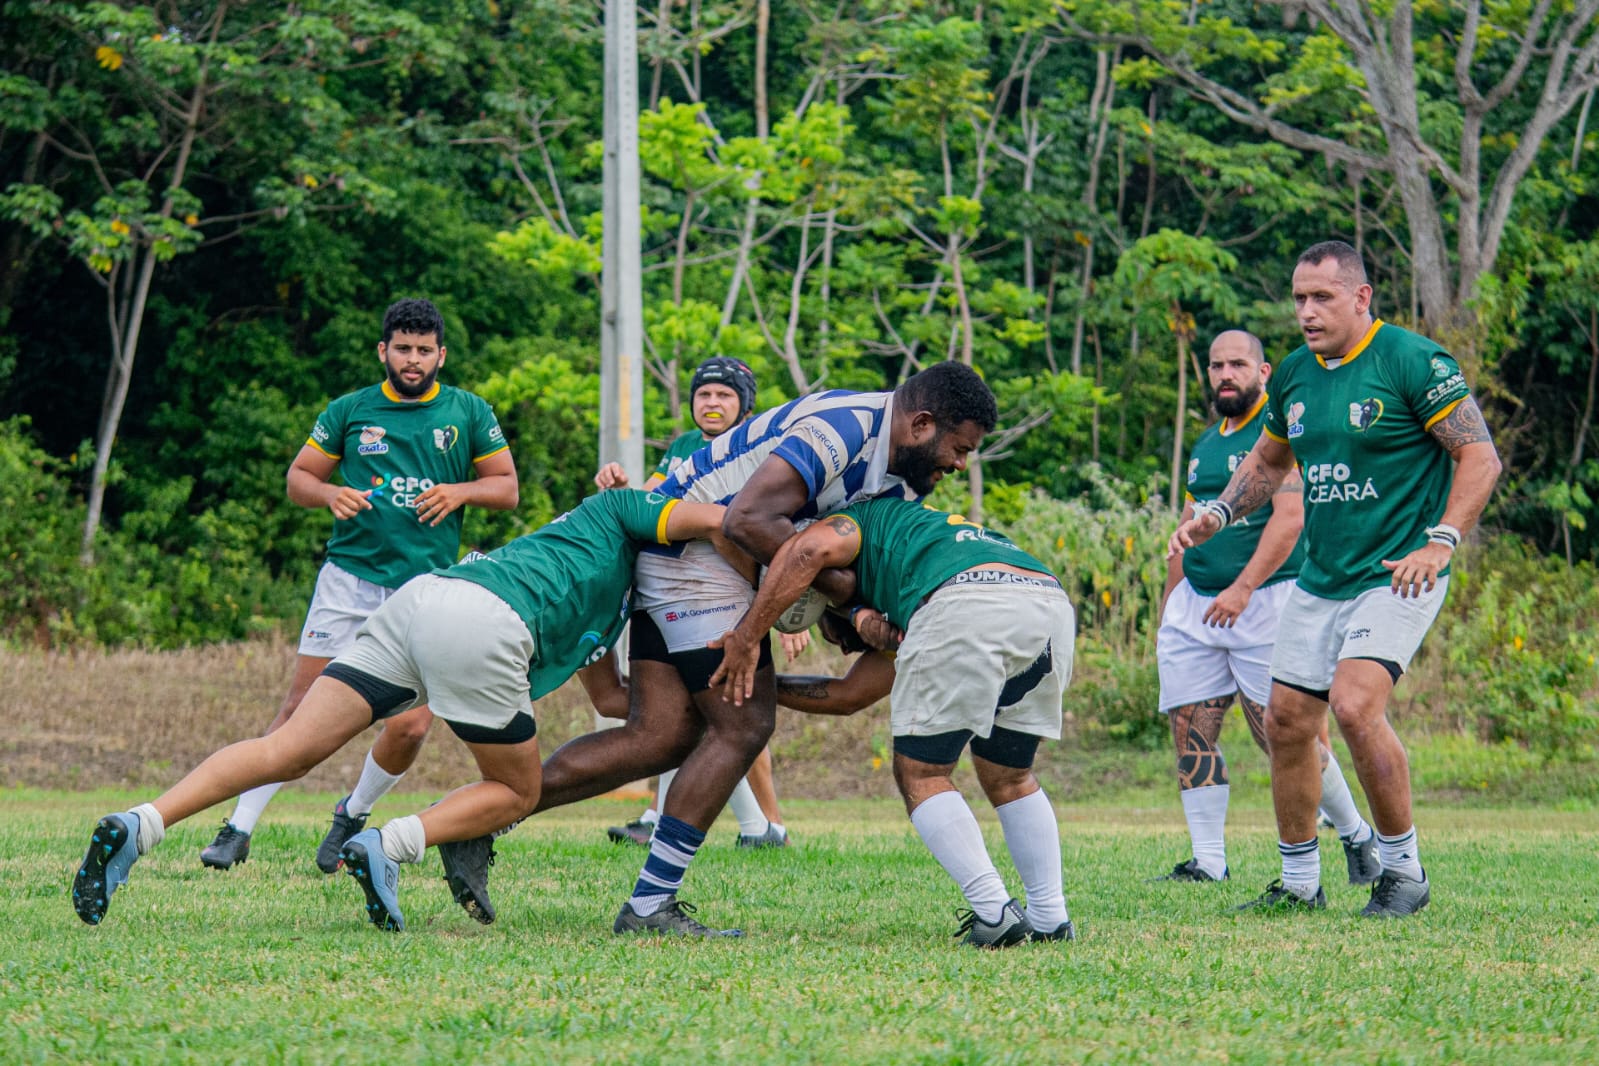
{"points": [[1181, 417]]}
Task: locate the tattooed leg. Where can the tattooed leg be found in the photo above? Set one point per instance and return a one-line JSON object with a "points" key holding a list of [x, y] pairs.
{"points": [[1195, 729]]}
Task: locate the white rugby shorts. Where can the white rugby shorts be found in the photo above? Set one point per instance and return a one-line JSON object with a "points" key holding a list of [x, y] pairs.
{"points": [[460, 647], [1317, 634], [964, 643], [1199, 662], [693, 597], [340, 605]]}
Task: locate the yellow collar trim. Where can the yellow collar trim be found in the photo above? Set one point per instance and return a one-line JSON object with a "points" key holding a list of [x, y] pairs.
{"points": [[390, 394], [1350, 356], [1248, 418]]}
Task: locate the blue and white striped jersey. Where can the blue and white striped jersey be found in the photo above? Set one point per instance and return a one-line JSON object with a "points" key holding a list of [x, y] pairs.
{"points": [[837, 440]]}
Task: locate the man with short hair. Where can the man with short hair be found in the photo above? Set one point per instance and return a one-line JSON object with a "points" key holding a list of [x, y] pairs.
{"points": [[721, 395], [1398, 466], [986, 656], [478, 641], [1219, 620], [410, 453], [806, 458]]}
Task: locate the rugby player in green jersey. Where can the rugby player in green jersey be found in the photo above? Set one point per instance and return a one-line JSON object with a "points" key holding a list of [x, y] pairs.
{"points": [[986, 655], [1397, 465], [1219, 617], [721, 395], [410, 454], [478, 642]]}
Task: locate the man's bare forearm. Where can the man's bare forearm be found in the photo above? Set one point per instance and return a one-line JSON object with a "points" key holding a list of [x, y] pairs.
{"points": [[1252, 484]]}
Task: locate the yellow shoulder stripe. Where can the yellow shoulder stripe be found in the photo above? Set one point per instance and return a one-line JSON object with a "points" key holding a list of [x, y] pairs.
{"points": [[1279, 439], [321, 449], [490, 455]]}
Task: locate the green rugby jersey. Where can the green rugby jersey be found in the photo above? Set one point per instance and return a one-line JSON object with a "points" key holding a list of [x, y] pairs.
{"points": [[683, 445], [397, 449], [1375, 478], [569, 581], [1216, 564], [908, 550]]}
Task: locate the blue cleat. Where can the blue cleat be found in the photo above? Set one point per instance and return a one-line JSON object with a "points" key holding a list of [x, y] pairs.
{"points": [[379, 877], [113, 849]]}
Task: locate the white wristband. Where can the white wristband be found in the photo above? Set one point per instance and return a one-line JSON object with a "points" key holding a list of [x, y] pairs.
{"points": [[1443, 533]]}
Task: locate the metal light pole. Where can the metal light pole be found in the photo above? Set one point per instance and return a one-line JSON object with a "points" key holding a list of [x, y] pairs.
{"points": [[622, 294], [622, 300]]}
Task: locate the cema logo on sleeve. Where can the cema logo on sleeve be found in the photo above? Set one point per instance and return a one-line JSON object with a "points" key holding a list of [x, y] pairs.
{"points": [[372, 442]]}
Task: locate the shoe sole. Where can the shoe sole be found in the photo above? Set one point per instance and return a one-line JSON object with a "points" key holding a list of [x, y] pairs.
{"points": [[481, 910], [358, 865], [91, 894]]}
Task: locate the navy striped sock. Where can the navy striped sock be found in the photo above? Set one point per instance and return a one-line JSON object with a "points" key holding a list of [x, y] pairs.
{"points": [[671, 850], [1301, 867]]}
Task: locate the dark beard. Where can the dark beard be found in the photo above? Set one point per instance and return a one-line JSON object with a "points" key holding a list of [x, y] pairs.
{"points": [[410, 392], [1237, 405], [917, 464]]}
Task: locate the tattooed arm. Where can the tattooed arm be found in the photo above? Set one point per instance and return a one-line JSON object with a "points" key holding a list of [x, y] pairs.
{"points": [[1259, 476], [869, 679], [1277, 542], [831, 542], [1463, 434]]}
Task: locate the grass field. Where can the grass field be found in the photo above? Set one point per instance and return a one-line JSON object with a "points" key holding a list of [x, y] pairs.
{"points": [[848, 955]]}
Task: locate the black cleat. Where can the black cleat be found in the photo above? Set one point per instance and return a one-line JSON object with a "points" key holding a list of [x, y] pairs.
{"points": [[113, 849], [1397, 897], [1010, 930], [1064, 931], [1278, 899], [345, 826], [637, 832], [1188, 871], [1364, 865], [466, 870], [673, 919], [231, 847]]}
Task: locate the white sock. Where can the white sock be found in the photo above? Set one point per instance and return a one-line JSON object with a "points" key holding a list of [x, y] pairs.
{"points": [[151, 827], [374, 785], [1301, 867], [751, 819], [1033, 836], [662, 786], [1400, 855], [949, 829], [1339, 805], [404, 839], [1206, 810], [247, 809]]}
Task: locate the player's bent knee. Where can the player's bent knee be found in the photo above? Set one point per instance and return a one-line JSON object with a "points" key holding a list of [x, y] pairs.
{"points": [[1007, 748]]}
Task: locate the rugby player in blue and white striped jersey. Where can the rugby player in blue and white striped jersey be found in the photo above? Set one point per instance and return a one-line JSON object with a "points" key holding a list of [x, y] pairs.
{"points": [[797, 461]]}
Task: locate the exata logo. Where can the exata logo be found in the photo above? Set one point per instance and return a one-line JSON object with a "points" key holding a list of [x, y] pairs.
{"points": [[372, 442]]}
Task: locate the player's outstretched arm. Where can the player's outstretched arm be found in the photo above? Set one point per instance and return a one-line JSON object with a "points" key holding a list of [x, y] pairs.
{"points": [[1252, 484], [1277, 542], [695, 521], [832, 542], [495, 488], [310, 484], [1464, 435], [870, 678]]}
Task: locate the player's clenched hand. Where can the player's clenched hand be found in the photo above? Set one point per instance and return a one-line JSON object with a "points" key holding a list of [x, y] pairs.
{"points": [[349, 502], [434, 504], [1224, 610], [611, 476], [1197, 530], [1418, 572], [876, 630], [740, 661]]}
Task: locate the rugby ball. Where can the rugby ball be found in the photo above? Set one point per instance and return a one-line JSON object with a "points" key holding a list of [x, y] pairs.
{"points": [[803, 613]]}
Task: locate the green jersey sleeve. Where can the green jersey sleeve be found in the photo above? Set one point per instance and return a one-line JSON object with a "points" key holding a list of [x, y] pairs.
{"points": [[1436, 387], [327, 432], [487, 438]]}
